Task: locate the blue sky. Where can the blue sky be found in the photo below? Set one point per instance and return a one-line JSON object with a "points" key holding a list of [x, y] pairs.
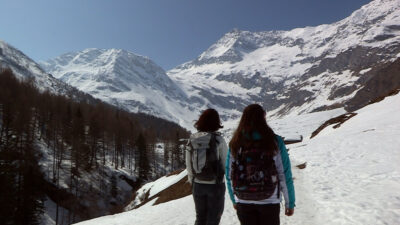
{"points": [[170, 32]]}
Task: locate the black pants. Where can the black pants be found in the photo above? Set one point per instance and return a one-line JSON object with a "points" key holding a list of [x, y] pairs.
{"points": [[252, 214], [209, 201]]}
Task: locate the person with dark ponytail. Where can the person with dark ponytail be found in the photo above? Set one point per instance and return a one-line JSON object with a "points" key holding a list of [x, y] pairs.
{"points": [[205, 160], [258, 170]]}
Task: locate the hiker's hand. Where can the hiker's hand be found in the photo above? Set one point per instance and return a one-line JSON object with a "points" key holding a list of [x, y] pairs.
{"points": [[289, 212], [235, 206]]}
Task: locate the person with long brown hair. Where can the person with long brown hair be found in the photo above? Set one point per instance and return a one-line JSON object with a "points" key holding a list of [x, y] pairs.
{"points": [[205, 160], [258, 170]]}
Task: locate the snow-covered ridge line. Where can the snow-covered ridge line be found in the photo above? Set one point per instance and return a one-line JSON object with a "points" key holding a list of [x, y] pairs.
{"points": [[296, 71], [24, 67], [383, 12]]}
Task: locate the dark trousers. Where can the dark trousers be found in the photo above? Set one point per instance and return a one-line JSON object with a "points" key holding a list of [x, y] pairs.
{"points": [[209, 201], [252, 214]]}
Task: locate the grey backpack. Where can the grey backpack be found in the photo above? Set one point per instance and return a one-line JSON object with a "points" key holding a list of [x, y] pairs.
{"points": [[205, 160]]}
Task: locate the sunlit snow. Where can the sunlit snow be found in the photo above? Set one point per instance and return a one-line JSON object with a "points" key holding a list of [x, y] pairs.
{"points": [[352, 174]]}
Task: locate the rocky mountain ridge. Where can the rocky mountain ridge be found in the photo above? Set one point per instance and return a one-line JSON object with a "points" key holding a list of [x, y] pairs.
{"points": [[301, 70]]}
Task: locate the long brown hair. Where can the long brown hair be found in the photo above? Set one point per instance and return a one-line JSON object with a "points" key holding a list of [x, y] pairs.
{"points": [[253, 120], [208, 121]]}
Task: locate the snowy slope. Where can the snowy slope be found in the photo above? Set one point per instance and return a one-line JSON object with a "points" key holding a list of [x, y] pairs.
{"points": [[124, 79], [24, 68], [153, 188], [91, 188], [352, 175], [296, 71], [353, 172]]}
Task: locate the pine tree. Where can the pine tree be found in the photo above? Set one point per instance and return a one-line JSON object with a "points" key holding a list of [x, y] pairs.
{"points": [[144, 167], [114, 190], [8, 196], [166, 155]]}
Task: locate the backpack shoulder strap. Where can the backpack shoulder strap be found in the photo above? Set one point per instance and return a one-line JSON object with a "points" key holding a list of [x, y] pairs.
{"points": [[214, 146], [189, 146], [213, 141]]}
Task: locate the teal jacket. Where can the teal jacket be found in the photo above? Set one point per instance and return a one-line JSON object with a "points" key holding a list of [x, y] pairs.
{"points": [[282, 163]]}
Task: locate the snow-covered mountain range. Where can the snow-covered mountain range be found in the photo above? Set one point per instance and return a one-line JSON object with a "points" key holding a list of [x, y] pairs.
{"points": [[301, 70], [122, 78]]}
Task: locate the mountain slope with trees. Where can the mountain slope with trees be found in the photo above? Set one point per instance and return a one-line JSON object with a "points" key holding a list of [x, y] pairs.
{"points": [[84, 158], [347, 174]]}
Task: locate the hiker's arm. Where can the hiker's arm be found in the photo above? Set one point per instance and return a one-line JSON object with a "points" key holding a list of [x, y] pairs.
{"points": [[290, 195], [223, 151], [228, 168]]}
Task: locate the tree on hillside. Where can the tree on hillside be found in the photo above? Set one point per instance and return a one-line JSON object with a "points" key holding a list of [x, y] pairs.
{"points": [[21, 190], [143, 158], [8, 188], [78, 139], [166, 155]]}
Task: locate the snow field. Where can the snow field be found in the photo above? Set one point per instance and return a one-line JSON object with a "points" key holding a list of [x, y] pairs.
{"points": [[353, 172], [352, 175]]}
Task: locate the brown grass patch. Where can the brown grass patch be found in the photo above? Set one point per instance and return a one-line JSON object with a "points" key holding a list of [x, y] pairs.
{"points": [[180, 189], [343, 118], [339, 120]]}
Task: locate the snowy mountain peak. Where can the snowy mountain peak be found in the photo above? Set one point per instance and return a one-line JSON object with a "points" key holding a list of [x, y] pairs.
{"points": [[122, 78], [300, 70], [380, 15], [116, 69], [97, 57], [374, 10], [235, 44]]}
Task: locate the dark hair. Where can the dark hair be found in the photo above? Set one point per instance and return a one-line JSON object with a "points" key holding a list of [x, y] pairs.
{"points": [[208, 121], [253, 120]]}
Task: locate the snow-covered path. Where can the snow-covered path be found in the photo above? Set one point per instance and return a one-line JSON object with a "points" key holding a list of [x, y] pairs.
{"points": [[181, 211], [352, 177], [353, 172]]}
